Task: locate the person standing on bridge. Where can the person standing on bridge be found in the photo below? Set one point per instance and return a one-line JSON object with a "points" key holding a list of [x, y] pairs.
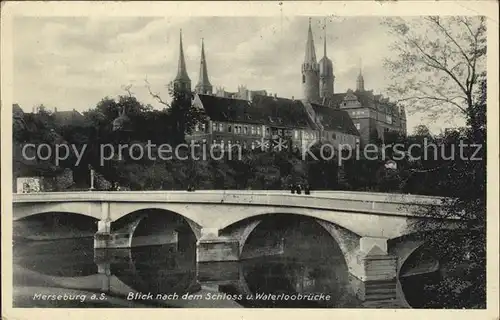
{"points": [[307, 189]]}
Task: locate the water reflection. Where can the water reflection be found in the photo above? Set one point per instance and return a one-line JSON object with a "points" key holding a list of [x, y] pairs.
{"points": [[296, 277], [73, 267]]}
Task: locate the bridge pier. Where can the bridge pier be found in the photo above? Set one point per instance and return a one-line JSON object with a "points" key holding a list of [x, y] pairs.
{"points": [[211, 247], [103, 271], [374, 271]]}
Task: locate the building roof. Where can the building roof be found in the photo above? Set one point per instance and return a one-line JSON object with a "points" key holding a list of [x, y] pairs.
{"points": [[282, 112], [227, 109], [335, 119], [72, 117], [17, 112], [271, 111], [367, 99], [274, 111]]}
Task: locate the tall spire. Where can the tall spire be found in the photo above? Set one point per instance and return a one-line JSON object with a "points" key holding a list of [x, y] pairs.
{"points": [[326, 73], [324, 40], [310, 70], [181, 67], [360, 82], [310, 50], [182, 81], [203, 85]]}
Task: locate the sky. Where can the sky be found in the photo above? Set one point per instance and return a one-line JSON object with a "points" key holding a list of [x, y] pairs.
{"points": [[74, 62]]}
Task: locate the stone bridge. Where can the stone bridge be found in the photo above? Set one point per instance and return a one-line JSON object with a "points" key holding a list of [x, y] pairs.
{"points": [[373, 230]]}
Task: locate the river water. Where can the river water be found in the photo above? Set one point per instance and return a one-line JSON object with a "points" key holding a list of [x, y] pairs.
{"points": [[67, 273], [286, 262]]}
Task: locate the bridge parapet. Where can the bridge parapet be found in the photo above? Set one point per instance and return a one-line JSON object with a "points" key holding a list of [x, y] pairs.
{"points": [[390, 204]]}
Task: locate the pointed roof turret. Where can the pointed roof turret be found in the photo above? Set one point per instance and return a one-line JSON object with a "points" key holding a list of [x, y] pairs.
{"points": [[181, 68], [122, 122], [310, 56], [324, 42], [325, 64], [203, 85], [360, 82]]}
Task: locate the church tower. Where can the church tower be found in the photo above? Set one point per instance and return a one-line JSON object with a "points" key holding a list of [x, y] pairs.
{"points": [[360, 81], [182, 81], [203, 86], [326, 74], [310, 70]]}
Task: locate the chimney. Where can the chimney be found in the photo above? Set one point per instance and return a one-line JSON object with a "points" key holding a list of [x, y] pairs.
{"points": [[55, 109]]}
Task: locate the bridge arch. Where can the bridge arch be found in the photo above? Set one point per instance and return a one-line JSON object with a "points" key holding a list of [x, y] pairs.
{"points": [[405, 246], [26, 210], [345, 239], [54, 225], [157, 224]]}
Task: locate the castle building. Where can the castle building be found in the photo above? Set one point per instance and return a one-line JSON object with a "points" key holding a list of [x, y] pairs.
{"points": [[244, 117], [373, 115]]}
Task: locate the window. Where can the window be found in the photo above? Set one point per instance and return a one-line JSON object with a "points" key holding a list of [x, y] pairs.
{"points": [[334, 136], [296, 134], [245, 130], [203, 127], [259, 130], [214, 126], [253, 145], [358, 126], [267, 131], [253, 129], [388, 119], [229, 128], [303, 79], [221, 128], [244, 145]]}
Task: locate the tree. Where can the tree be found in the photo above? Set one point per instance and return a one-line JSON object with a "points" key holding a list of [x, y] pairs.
{"points": [[422, 131], [183, 114], [440, 68], [438, 64]]}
